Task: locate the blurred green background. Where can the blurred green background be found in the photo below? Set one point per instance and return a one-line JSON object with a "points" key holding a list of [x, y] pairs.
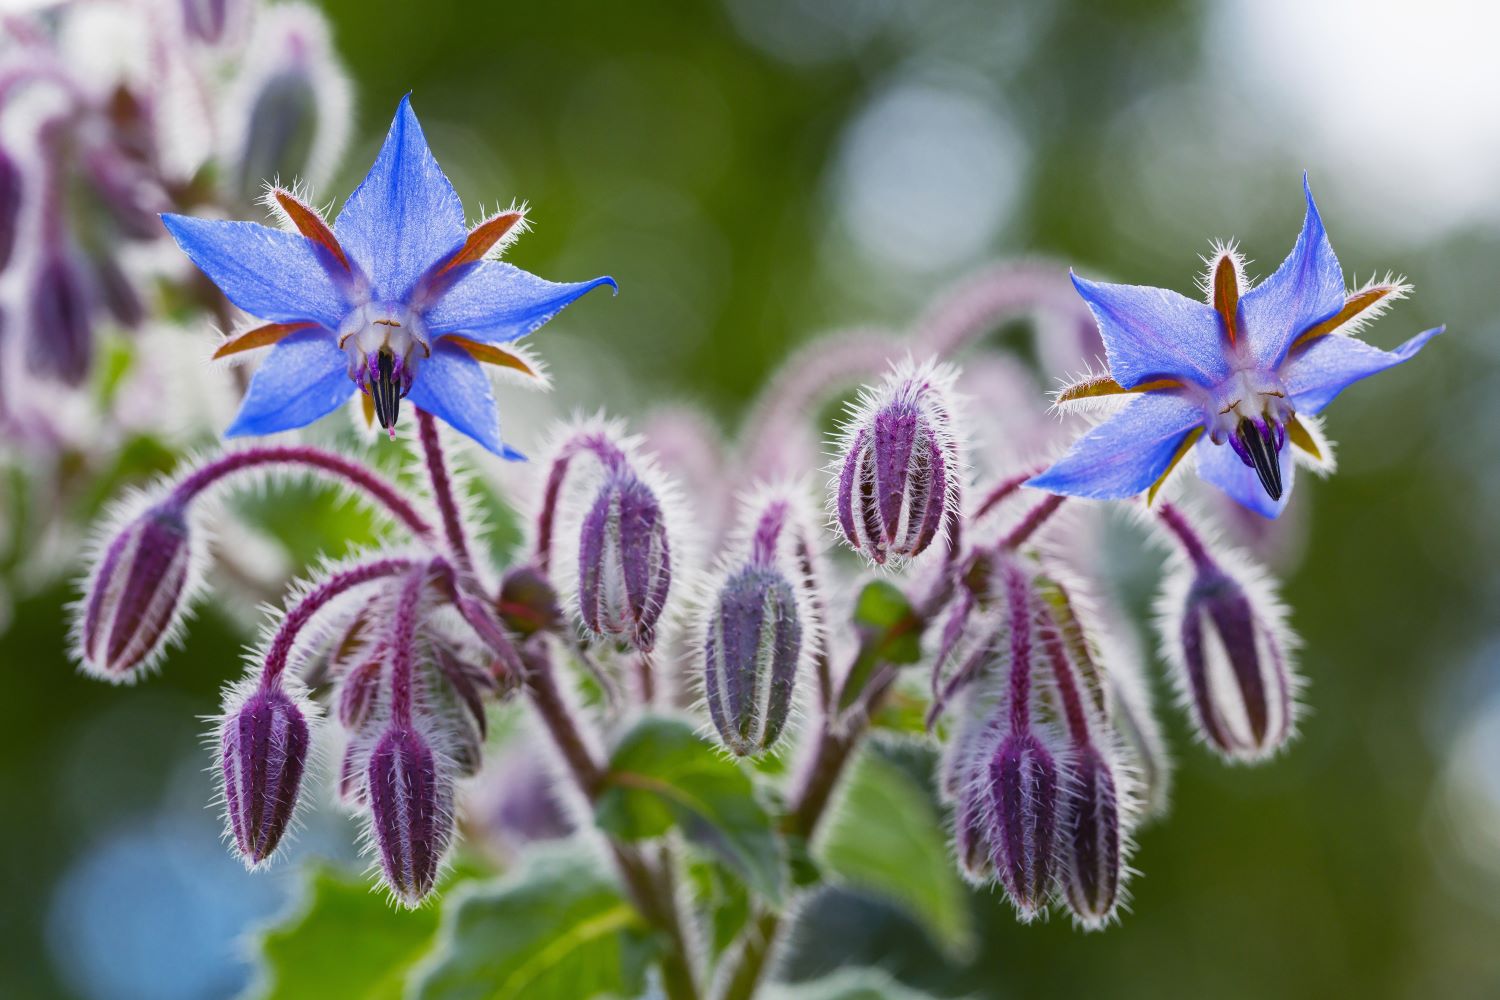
{"points": [[754, 172]]}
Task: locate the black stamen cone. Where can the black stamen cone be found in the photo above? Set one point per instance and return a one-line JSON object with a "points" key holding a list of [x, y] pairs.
{"points": [[1260, 442], [385, 391]]}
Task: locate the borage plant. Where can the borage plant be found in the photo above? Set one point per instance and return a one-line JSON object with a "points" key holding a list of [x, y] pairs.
{"points": [[709, 723]]}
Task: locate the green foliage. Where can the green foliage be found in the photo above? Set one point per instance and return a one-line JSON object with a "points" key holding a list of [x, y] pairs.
{"points": [[889, 632], [663, 775], [556, 928], [347, 941], [885, 837], [848, 984]]}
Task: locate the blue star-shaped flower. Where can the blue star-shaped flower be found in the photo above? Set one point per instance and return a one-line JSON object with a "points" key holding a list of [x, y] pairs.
{"points": [[1239, 379], [397, 298]]}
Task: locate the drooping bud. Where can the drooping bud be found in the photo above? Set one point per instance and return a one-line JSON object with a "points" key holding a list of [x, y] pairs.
{"points": [[751, 649], [263, 746], [1237, 677], [208, 20], [1091, 838], [411, 811], [136, 597], [1025, 798], [528, 604], [899, 475], [624, 561], [60, 342]]}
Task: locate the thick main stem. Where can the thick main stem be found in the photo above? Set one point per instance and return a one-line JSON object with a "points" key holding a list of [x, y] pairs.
{"points": [[652, 895], [442, 493], [336, 466]]}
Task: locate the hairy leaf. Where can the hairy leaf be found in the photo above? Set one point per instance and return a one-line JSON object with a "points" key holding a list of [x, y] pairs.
{"points": [[663, 775], [885, 837]]}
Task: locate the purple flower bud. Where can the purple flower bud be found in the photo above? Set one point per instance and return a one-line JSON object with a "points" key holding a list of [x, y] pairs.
{"points": [[10, 206], [206, 20], [1091, 839], [60, 343], [359, 694], [136, 598], [900, 472], [1233, 668], [411, 811], [1025, 801], [751, 650], [263, 748], [282, 131], [624, 561]]}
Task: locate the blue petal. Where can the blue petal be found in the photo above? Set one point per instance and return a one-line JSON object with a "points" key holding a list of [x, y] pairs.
{"points": [[274, 275], [452, 386], [1306, 289], [304, 377], [498, 303], [1125, 454], [1331, 364], [1220, 465], [404, 216], [1152, 333]]}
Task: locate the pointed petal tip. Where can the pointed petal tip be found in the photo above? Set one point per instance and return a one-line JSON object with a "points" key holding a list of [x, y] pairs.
{"points": [[511, 455]]}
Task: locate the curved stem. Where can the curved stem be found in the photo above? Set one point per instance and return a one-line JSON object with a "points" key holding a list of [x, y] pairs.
{"points": [[442, 492], [1192, 543], [315, 600], [336, 466], [1000, 491]]}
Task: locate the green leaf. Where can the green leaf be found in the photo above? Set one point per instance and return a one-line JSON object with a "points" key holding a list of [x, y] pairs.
{"points": [[722, 902], [848, 984], [889, 633], [885, 837], [555, 927], [663, 775], [346, 941]]}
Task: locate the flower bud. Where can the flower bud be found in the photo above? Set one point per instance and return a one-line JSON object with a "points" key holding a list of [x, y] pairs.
{"points": [[263, 747], [60, 343], [281, 132], [411, 811], [1025, 801], [900, 470], [136, 598], [624, 561], [1091, 836], [1233, 668], [528, 604], [207, 20], [751, 649]]}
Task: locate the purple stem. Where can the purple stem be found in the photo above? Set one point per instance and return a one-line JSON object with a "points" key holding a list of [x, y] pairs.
{"points": [[403, 638], [1067, 680], [1192, 542], [1033, 520], [603, 449], [1018, 598], [442, 492], [768, 533], [314, 458], [298, 617], [1001, 491]]}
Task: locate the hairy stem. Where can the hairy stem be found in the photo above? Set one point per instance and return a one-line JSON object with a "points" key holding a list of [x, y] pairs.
{"points": [[650, 891], [1034, 519], [314, 601], [442, 493], [1192, 543], [325, 462]]}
